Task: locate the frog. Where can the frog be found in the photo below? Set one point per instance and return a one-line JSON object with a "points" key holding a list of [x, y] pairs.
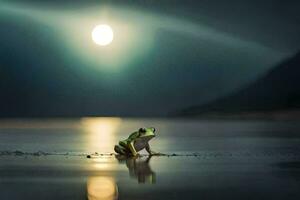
{"points": [[136, 142]]}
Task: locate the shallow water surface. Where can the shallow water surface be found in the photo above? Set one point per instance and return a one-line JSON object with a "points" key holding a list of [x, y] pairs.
{"points": [[46, 159]]}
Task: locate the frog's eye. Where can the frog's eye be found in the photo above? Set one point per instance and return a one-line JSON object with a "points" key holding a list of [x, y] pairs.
{"points": [[142, 130], [153, 129]]}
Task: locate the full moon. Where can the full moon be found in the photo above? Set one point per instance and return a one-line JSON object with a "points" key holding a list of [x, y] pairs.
{"points": [[102, 35]]}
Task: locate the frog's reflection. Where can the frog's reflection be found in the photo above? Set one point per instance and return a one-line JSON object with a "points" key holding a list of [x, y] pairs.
{"points": [[139, 168], [102, 188]]}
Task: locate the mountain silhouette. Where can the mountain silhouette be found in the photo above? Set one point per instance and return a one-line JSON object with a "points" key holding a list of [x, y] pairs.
{"points": [[278, 89]]}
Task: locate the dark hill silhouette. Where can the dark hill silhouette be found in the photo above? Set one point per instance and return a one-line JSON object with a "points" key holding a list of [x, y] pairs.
{"points": [[278, 89]]}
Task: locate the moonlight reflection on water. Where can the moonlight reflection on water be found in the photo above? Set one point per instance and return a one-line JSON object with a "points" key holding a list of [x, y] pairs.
{"points": [[102, 188]]}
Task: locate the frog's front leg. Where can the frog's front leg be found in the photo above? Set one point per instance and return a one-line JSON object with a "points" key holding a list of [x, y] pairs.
{"points": [[132, 149], [153, 153], [148, 149]]}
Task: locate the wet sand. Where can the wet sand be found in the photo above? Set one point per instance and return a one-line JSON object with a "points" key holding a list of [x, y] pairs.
{"points": [[207, 160]]}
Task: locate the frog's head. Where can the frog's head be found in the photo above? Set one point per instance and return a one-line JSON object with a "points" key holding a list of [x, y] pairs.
{"points": [[148, 133]]}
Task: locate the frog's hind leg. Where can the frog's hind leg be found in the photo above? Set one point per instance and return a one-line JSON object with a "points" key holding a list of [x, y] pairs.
{"points": [[120, 150]]}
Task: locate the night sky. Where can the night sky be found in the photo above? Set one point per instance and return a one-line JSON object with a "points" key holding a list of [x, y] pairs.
{"points": [[166, 55]]}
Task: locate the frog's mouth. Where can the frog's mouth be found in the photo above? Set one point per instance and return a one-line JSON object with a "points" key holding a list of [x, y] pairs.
{"points": [[148, 137]]}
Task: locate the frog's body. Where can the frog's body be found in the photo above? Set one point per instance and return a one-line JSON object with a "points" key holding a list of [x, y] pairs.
{"points": [[136, 142]]}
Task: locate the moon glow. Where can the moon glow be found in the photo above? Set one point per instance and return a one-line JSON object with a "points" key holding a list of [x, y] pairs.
{"points": [[102, 35]]}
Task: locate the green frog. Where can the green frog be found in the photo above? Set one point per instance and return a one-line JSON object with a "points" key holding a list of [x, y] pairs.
{"points": [[136, 142]]}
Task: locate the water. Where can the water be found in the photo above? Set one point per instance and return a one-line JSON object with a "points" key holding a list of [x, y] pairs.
{"points": [[208, 160]]}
